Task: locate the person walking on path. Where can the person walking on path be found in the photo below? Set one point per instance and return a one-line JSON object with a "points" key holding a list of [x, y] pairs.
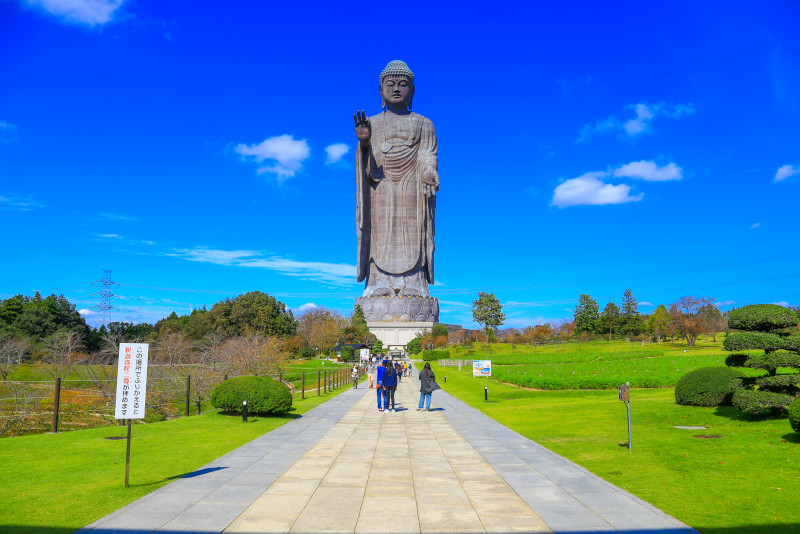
{"points": [[389, 386], [354, 375], [379, 387], [426, 386], [371, 374], [398, 367]]}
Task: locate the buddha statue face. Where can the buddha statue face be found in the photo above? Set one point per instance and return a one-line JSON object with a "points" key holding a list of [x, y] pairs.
{"points": [[397, 91]]}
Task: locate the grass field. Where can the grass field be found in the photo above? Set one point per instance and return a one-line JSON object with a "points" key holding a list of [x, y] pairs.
{"points": [[60, 482], [746, 481], [599, 365]]}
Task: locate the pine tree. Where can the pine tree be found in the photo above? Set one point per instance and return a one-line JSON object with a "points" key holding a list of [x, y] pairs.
{"points": [[587, 315], [632, 321], [609, 319]]}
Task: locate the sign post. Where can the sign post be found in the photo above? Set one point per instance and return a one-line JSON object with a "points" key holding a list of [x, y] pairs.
{"points": [[131, 389], [625, 396]]}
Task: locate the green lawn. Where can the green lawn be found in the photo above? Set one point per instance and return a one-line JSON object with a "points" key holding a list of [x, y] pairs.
{"points": [[599, 364], [746, 481], [65, 481]]}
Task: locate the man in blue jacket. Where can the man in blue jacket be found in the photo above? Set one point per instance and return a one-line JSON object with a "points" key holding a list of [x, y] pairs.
{"points": [[379, 386]]}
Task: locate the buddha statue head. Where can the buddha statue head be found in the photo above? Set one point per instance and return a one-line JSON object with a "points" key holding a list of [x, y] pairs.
{"points": [[397, 86]]}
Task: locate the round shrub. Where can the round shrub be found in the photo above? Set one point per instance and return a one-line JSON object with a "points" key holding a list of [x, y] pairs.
{"points": [[794, 414], [707, 386], [263, 395], [761, 318], [757, 402]]}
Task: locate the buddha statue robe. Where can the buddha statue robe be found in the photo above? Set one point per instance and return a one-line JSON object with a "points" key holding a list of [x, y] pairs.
{"points": [[394, 218]]}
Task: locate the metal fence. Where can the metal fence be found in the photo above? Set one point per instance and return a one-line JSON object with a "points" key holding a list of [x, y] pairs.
{"points": [[35, 406]]}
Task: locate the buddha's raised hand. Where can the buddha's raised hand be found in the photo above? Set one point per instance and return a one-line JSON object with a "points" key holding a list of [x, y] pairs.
{"points": [[363, 128]]}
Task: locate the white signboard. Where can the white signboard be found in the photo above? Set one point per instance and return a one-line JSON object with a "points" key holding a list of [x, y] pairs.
{"points": [[481, 367], [131, 381], [364, 355]]}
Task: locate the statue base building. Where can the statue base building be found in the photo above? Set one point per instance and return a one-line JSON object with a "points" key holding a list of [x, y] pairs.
{"points": [[397, 308], [396, 320]]}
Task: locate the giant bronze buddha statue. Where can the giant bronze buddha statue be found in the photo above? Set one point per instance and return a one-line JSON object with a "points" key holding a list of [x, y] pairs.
{"points": [[397, 181]]}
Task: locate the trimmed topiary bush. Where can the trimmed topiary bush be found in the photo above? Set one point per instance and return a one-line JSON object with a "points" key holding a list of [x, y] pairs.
{"points": [[757, 402], [761, 318], [707, 386], [767, 327], [263, 395], [753, 340], [794, 415]]}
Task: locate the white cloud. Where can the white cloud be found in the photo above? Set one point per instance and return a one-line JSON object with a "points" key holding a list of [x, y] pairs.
{"points": [[589, 189], [725, 303], [785, 172], [333, 273], [645, 114], [782, 303], [307, 306], [18, 204], [8, 132], [284, 155], [646, 303], [89, 12], [117, 217], [86, 311], [755, 225], [110, 236], [649, 171], [336, 151]]}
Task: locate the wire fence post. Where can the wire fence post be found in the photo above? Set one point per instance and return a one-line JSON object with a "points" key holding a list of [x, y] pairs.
{"points": [[188, 388], [303, 387], [280, 376], [318, 383], [56, 402]]}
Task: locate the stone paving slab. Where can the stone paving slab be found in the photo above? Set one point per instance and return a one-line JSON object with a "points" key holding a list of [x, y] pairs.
{"points": [[345, 467]]}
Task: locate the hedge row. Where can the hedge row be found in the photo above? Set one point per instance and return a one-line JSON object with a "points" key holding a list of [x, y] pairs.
{"points": [[430, 355]]}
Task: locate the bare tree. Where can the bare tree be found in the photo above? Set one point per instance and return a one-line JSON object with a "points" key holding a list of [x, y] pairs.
{"points": [[254, 355], [206, 370], [686, 315], [61, 352], [172, 348], [20, 408], [11, 352]]}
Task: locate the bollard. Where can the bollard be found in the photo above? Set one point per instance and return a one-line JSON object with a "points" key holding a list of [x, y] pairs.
{"points": [[56, 402], [303, 386], [486, 393], [445, 379], [319, 384], [244, 411]]}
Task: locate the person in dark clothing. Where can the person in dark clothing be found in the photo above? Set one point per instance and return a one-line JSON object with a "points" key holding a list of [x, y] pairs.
{"points": [[426, 378], [389, 386], [399, 368]]}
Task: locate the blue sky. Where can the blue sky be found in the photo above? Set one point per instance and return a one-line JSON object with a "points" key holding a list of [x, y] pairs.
{"points": [[201, 150]]}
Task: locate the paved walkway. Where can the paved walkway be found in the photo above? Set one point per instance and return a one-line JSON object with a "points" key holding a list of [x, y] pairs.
{"points": [[345, 467]]}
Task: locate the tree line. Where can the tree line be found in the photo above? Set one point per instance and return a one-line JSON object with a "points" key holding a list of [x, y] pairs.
{"points": [[50, 330]]}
